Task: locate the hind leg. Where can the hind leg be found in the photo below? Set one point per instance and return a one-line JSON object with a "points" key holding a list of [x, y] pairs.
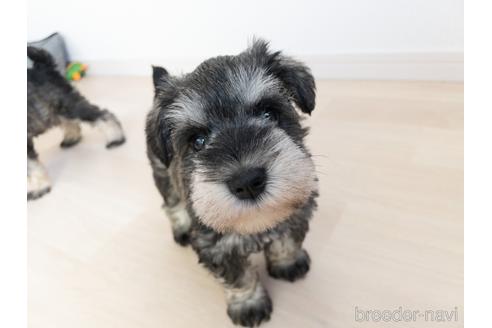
{"points": [[71, 133], [111, 127], [38, 181], [81, 109]]}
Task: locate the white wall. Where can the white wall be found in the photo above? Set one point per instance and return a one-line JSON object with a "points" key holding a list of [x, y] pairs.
{"points": [[125, 36]]}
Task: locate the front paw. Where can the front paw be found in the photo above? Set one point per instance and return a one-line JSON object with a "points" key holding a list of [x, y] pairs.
{"points": [[38, 182], [182, 237], [35, 194], [290, 271], [251, 311]]}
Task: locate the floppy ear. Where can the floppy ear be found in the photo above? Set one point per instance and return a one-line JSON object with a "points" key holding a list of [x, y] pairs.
{"points": [[158, 137], [157, 130], [298, 80], [296, 77]]}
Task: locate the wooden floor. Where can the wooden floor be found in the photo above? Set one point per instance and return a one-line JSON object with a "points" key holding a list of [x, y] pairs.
{"points": [[388, 232]]}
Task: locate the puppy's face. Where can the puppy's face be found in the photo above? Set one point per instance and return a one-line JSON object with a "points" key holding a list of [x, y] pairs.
{"points": [[231, 129]]}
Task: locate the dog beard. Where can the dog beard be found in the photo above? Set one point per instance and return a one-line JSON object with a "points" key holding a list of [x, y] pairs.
{"points": [[291, 181]]}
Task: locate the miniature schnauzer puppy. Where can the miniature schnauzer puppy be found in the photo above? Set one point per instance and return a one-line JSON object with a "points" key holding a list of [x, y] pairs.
{"points": [[52, 101], [227, 151]]}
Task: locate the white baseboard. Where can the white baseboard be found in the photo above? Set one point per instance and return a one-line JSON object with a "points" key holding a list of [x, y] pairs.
{"points": [[376, 66], [396, 66]]}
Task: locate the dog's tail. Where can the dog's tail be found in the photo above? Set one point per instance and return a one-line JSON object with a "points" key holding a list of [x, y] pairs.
{"points": [[41, 58]]}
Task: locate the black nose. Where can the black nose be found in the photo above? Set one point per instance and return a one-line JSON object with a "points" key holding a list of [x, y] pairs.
{"points": [[249, 183]]}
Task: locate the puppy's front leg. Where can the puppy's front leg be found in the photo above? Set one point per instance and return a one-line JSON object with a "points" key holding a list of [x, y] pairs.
{"points": [[180, 222], [38, 181], [173, 206], [286, 259], [248, 302]]}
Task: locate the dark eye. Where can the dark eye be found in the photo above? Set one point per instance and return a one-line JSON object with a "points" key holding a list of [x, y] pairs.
{"points": [[198, 142], [268, 115]]}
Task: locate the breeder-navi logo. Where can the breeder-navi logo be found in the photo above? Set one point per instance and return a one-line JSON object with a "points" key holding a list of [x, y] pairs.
{"points": [[405, 315]]}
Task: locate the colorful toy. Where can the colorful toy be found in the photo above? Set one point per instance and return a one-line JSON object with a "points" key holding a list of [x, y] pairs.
{"points": [[55, 46], [75, 71]]}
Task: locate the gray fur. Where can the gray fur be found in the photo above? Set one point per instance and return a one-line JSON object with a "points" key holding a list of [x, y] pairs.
{"points": [[230, 114], [52, 101]]}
